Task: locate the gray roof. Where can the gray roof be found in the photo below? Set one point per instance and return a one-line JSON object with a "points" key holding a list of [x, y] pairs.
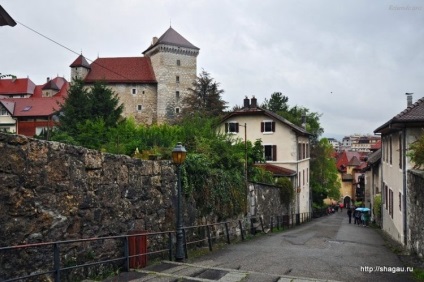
{"points": [[171, 37], [374, 157], [413, 116]]}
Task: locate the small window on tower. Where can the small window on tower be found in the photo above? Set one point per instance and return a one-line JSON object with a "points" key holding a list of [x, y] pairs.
{"points": [[177, 79], [139, 108], [178, 63], [177, 110], [134, 91], [177, 94]]}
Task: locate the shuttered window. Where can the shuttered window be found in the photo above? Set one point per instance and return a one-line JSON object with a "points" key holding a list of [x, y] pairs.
{"points": [[267, 126], [270, 152]]}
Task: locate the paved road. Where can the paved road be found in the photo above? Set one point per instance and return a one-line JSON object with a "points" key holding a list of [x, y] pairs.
{"points": [[328, 248]]}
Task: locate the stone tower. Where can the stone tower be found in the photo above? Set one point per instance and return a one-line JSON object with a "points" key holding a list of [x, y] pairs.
{"points": [[174, 61], [79, 68]]}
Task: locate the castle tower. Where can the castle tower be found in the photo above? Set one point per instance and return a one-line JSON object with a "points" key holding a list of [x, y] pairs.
{"points": [[79, 68], [174, 61]]}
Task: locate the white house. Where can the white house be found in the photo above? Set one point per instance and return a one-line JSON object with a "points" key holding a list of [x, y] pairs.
{"points": [[396, 135], [286, 146]]}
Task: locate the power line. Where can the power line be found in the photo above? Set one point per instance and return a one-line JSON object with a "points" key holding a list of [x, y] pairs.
{"points": [[69, 49]]}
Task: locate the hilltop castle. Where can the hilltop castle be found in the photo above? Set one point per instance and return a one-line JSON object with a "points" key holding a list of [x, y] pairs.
{"points": [[150, 87]]}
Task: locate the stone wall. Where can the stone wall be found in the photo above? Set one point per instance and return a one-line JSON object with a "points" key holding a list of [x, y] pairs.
{"points": [[54, 192], [415, 210]]}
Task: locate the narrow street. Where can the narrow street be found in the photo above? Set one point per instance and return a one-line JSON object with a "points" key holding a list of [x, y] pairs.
{"points": [[328, 248]]}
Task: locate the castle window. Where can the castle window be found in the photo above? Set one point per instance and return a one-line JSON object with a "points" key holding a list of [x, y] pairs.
{"points": [[139, 108], [177, 94], [177, 79], [134, 91], [178, 63], [177, 110], [143, 92]]}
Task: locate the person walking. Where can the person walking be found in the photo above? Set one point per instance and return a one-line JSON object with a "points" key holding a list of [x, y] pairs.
{"points": [[349, 214]]}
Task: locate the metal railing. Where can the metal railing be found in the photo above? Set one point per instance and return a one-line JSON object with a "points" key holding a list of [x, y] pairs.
{"points": [[63, 259]]}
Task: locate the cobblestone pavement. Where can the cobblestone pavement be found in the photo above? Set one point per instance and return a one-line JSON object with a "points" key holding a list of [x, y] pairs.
{"points": [[326, 249]]}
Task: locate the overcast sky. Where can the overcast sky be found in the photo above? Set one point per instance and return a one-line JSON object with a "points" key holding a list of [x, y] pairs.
{"points": [[352, 61]]}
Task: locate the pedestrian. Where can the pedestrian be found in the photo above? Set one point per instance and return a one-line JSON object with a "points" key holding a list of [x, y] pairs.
{"points": [[357, 217], [349, 214]]}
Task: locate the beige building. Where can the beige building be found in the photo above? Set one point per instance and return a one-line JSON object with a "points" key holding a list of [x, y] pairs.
{"points": [[396, 135], [286, 146], [150, 87]]}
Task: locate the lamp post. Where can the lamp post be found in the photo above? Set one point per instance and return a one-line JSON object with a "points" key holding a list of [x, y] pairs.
{"points": [[178, 157]]}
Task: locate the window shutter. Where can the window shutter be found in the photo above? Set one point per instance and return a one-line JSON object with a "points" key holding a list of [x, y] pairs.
{"points": [[273, 126], [274, 152], [237, 127], [262, 126], [226, 127]]}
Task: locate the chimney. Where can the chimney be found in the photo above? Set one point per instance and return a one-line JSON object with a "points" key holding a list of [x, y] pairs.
{"points": [[48, 79], [253, 103], [246, 103], [154, 40], [408, 99]]}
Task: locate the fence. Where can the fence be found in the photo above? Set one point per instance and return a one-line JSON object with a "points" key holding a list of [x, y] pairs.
{"points": [[78, 259]]}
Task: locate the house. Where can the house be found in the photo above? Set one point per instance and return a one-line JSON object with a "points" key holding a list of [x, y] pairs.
{"points": [[373, 178], [286, 146], [396, 136], [29, 109], [350, 165], [151, 87]]}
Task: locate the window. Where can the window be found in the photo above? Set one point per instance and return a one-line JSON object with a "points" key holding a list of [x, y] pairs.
{"points": [[27, 108], [139, 108], [267, 126], [231, 127], [134, 91], [4, 112], [307, 175], [177, 94], [400, 151], [177, 79], [386, 196], [303, 177], [177, 110], [270, 152], [390, 149], [391, 202], [400, 201], [299, 151], [178, 63], [304, 151]]}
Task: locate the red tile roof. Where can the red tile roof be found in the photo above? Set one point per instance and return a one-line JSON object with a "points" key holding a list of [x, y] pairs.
{"points": [[16, 86], [122, 70], [32, 107], [80, 62]]}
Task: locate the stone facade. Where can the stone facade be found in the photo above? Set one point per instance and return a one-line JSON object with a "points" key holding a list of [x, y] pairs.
{"points": [[175, 70], [415, 212]]}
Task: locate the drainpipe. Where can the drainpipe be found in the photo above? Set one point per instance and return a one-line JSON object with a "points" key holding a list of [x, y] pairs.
{"points": [[405, 210]]}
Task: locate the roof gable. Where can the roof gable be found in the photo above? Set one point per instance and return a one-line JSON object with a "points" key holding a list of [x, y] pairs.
{"points": [[412, 114], [16, 86], [80, 62], [122, 70]]}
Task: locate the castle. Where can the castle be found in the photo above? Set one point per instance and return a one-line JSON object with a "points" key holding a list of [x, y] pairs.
{"points": [[150, 87]]}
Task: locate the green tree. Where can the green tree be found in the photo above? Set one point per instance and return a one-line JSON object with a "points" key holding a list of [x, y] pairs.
{"points": [[205, 97], [324, 174], [104, 104], [278, 104]]}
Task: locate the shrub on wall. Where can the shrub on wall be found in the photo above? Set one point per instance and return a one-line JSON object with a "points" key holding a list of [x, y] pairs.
{"points": [[286, 190], [377, 208]]}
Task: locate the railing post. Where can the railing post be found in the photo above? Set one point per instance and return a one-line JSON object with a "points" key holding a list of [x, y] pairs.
{"points": [[262, 224], [209, 238], [185, 244], [227, 232], [241, 230], [56, 262], [170, 245], [272, 223], [126, 254]]}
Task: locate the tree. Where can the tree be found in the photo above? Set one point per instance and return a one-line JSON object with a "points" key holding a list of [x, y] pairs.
{"points": [[86, 109], [278, 104], [6, 75], [324, 174], [205, 97]]}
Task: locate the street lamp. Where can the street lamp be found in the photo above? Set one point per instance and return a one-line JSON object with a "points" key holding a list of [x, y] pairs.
{"points": [[178, 157]]}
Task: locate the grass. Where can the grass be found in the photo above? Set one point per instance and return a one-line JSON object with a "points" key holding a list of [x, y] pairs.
{"points": [[418, 274]]}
